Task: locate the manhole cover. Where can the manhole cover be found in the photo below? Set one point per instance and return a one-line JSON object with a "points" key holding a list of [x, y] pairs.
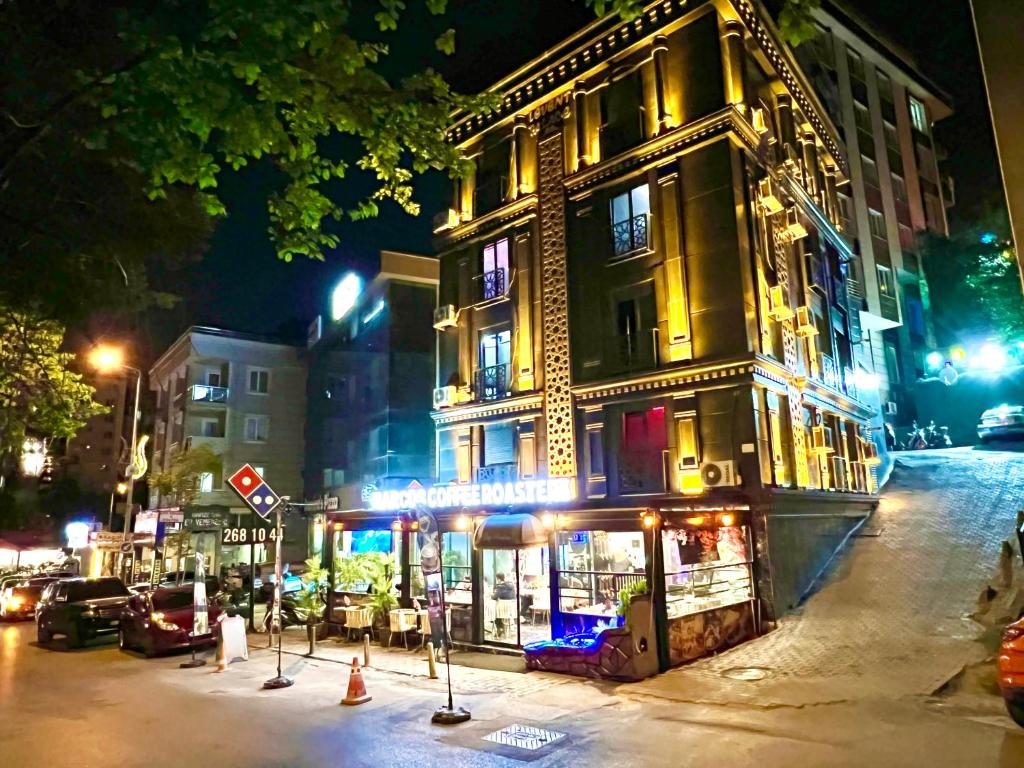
{"points": [[524, 737], [749, 674]]}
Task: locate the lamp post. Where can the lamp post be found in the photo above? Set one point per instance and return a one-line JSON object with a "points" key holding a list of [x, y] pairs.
{"points": [[109, 359]]}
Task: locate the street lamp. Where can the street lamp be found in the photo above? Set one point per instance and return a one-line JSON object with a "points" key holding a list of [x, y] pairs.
{"points": [[108, 359]]}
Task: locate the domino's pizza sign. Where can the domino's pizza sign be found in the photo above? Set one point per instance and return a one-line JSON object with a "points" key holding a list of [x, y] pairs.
{"points": [[256, 494]]}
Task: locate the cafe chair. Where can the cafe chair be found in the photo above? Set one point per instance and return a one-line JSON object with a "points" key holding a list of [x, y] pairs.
{"points": [[359, 619], [401, 622], [505, 611], [541, 606]]}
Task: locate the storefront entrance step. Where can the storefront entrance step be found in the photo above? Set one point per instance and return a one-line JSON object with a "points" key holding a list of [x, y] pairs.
{"points": [[496, 662]]}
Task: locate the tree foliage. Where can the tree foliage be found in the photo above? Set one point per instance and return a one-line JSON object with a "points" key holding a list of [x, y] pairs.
{"points": [[181, 480], [974, 282], [187, 90], [39, 393]]}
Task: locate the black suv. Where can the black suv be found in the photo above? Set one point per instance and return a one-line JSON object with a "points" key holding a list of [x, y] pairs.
{"points": [[80, 609]]}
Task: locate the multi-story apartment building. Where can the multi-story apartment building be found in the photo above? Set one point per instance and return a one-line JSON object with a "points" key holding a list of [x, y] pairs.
{"points": [[244, 397], [885, 108], [644, 346], [371, 372]]}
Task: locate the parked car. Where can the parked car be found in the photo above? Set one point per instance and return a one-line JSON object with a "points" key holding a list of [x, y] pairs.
{"points": [[161, 620], [1011, 670], [1002, 421], [19, 601], [80, 609]]}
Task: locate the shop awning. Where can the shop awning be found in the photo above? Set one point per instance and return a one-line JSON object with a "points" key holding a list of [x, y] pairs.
{"points": [[512, 531]]}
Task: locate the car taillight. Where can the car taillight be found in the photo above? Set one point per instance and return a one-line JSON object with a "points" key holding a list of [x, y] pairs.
{"points": [[159, 619]]}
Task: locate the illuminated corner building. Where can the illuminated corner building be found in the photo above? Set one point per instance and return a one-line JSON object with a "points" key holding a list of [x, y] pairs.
{"points": [[884, 108], [243, 397], [371, 363], [644, 289]]}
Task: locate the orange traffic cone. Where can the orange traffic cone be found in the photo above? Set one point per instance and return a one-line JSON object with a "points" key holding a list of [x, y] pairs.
{"points": [[356, 688]]}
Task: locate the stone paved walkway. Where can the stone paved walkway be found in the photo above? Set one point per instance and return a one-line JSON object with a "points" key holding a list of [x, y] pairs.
{"points": [[891, 620]]}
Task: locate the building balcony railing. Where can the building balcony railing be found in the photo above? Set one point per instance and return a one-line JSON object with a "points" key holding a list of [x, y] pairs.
{"points": [[204, 393], [215, 444], [492, 383], [631, 235], [491, 285]]}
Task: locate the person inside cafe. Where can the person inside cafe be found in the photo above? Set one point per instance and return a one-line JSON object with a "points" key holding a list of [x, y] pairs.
{"points": [[503, 590]]}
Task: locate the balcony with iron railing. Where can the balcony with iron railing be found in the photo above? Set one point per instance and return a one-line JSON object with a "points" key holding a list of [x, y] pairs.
{"points": [[204, 393], [493, 382], [631, 235], [490, 285]]}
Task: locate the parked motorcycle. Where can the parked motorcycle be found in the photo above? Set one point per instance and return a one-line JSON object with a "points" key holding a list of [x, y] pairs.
{"points": [[916, 440], [937, 437]]}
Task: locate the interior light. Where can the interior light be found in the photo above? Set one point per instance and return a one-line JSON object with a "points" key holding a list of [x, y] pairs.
{"points": [[934, 360], [726, 519], [397, 525], [547, 520], [648, 520], [344, 296], [338, 526], [957, 354], [461, 523], [991, 357], [697, 520], [865, 379]]}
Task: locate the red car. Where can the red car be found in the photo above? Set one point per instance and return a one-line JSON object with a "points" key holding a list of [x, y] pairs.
{"points": [[1011, 670], [161, 620]]}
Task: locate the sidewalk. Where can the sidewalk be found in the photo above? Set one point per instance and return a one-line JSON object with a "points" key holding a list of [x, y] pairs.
{"points": [[891, 621], [413, 664]]}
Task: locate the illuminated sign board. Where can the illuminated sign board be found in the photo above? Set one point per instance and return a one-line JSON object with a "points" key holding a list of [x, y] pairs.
{"points": [[77, 535], [345, 295], [553, 490]]}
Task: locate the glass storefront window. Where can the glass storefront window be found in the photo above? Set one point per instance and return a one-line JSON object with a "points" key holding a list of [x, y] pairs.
{"points": [[706, 568], [349, 572], [594, 567]]}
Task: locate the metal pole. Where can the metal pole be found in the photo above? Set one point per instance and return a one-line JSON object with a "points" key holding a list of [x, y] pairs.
{"points": [[280, 681], [131, 457], [252, 584], [447, 715], [110, 514]]}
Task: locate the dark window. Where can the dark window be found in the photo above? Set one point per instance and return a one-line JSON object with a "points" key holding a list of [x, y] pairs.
{"points": [[641, 451], [595, 452], [492, 177], [630, 213], [622, 115], [92, 590], [635, 321], [892, 363]]}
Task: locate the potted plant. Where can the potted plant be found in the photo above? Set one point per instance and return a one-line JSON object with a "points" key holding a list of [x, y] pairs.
{"points": [[380, 571], [311, 599], [626, 595]]}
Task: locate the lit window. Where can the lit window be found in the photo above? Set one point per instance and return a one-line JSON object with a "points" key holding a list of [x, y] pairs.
{"points": [[885, 286], [876, 222], [259, 381], [206, 482], [494, 272], [257, 428], [630, 212], [918, 114]]}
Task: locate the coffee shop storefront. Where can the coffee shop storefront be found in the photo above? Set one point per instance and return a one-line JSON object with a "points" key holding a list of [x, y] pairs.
{"points": [[554, 579]]}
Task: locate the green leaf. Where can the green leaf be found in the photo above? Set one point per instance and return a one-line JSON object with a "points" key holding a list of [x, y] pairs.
{"points": [[445, 42]]}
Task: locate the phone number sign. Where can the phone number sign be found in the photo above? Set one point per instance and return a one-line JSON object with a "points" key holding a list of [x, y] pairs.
{"points": [[251, 535]]}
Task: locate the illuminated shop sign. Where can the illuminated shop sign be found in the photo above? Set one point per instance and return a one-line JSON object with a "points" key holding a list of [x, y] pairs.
{"points": [[551, 490]]}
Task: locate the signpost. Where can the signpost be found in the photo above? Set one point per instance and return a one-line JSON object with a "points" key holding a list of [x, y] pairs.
{"points": [[262, 500]]}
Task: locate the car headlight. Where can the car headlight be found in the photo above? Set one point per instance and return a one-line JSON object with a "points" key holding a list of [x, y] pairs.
{"points": [[14, 603], [89, 613], [158, 618]]}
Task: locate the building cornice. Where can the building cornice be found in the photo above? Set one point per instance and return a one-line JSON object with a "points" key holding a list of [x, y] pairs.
{"points": [[488, 409], [725, 121], [519, 210]]}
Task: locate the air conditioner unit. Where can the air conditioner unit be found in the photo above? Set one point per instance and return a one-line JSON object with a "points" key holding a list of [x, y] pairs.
{"points": [[821, 440], [445, 220], [758, 120], [444, 397], [718, 473], [805, 322], [778, 303], [890, 408], [445, 317], [767, 198], [794, 227]]}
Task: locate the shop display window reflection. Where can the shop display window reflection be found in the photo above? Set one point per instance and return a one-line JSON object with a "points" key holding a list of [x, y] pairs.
{"points": [[594, 567], [706, 567], [348, 576]]}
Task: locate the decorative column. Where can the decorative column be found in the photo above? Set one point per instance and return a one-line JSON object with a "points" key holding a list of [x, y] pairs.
{"points": [[579, 108], [661, 80], [558, 406], [521, 142], [787, 132], [809, 153], [732, 55], [831, 201]]}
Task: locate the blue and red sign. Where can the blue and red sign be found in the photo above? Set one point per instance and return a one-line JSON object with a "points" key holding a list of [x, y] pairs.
{"points": [[257, 495]]}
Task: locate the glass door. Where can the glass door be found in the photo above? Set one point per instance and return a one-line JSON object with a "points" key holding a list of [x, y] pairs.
{"points": [[516, 596]]}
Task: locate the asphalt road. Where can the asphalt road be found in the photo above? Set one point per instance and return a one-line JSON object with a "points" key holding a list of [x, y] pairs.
{"points": [[99, 707]]}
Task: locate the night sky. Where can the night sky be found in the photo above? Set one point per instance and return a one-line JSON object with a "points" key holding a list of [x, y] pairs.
{"points": [[240, 284]]}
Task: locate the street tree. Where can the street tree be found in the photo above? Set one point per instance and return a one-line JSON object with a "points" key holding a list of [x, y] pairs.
{"points": [[182, 479], [39, 392]]}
